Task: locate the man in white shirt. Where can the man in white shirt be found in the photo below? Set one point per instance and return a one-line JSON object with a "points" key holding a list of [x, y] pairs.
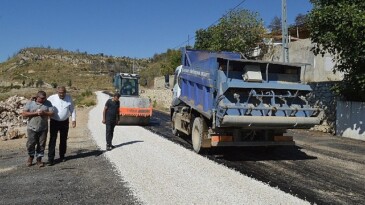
{"points": [[63, 109]]}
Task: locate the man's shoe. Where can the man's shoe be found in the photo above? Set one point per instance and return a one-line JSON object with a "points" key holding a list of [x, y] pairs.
{"points": [[50, 162], [108, 148], [112, 146], [30, 161], [63, 159], [39, 162]]}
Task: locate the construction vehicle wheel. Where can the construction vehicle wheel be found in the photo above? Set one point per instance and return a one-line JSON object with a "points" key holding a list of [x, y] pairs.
{"points": [[198, 136]]}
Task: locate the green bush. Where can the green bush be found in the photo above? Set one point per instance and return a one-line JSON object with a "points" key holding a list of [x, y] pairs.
{"points": [[54, 85], [86, 98], [88, 102], [4, 89], [86, 93]]}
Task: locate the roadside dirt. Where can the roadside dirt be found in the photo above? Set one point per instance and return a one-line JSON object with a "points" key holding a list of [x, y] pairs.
{"points": [[85, 178]]}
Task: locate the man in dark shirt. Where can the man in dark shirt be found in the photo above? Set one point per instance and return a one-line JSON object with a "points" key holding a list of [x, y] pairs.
{"points": [[111, 118]]}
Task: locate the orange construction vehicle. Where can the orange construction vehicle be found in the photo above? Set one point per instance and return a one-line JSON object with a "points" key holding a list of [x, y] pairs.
{"points": [[134, 110]]}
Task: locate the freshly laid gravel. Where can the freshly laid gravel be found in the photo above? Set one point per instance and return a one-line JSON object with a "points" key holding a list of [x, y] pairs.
{"points": [[161, 172]]}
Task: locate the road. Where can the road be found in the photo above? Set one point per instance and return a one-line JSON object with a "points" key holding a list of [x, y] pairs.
{"points": [[161, 172], [321, 168]]}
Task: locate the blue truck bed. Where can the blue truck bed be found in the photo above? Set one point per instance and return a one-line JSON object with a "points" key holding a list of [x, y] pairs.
{"points": [[213, 82]]}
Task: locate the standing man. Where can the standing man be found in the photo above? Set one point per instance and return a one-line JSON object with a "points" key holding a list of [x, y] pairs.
{"points": [[111, 118], [64, 108], [37, 111]]}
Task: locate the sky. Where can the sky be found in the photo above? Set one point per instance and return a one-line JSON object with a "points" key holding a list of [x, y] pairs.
{"points": [[132, 28]]}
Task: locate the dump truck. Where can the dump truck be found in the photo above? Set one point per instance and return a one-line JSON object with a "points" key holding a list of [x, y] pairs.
{"points": [[222, 99], [134, 109]]}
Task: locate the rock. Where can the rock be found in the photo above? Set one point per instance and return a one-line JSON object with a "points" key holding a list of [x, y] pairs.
{"points": [[12, 133], [11, 119]]}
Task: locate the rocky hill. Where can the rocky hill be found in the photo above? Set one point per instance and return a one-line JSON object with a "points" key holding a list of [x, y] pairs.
{"points": [[34, 69], [47, 67]]}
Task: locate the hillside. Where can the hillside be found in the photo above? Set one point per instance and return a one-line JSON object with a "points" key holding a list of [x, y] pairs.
{"points": [[60, 66], [45, 68]]}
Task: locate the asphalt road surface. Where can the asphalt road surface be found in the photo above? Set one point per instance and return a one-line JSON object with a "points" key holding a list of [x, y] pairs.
{"points": [[321, 168]]}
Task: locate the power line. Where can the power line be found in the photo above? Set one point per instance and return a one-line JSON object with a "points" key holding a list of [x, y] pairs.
{"points": [[190, 38]]}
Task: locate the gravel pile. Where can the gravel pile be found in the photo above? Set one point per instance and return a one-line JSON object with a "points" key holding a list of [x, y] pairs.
{"points": [[161, 172]]}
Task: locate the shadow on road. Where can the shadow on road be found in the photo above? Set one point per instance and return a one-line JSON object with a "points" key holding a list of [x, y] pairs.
{"points": [[85, 153], [236, 154], [127, 143], [92, 153], [161, 125]]}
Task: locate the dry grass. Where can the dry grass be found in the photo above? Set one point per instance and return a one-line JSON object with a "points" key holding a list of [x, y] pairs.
{"points": [[79, 96]]}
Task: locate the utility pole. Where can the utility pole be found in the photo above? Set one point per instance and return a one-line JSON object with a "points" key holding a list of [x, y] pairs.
{"points": [[188, 40], [133, 67], [284, 32]]}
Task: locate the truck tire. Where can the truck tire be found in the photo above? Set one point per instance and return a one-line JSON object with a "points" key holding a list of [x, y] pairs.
{"points": [[198, 136]]}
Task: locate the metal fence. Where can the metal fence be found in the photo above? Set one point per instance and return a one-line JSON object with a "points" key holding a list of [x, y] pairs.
{"points": [[350, 119]]}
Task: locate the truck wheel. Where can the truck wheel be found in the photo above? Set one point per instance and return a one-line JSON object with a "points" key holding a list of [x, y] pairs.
{"points": [[198, 136], [173, 129]]}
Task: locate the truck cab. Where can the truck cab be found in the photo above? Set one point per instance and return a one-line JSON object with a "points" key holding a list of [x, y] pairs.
{"points": [[176, 90]]}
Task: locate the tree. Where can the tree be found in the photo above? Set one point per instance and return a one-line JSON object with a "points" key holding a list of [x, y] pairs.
{"points": [[173, 59], [301, 19], [202, 38], [240, 30], [338, 27], [31, 83], [54, 85], [275, 25], [39, 83]]}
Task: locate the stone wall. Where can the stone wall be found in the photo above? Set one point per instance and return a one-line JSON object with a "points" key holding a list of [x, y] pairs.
{"points": [[327, 100], [160, 95], [159, 82]]}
